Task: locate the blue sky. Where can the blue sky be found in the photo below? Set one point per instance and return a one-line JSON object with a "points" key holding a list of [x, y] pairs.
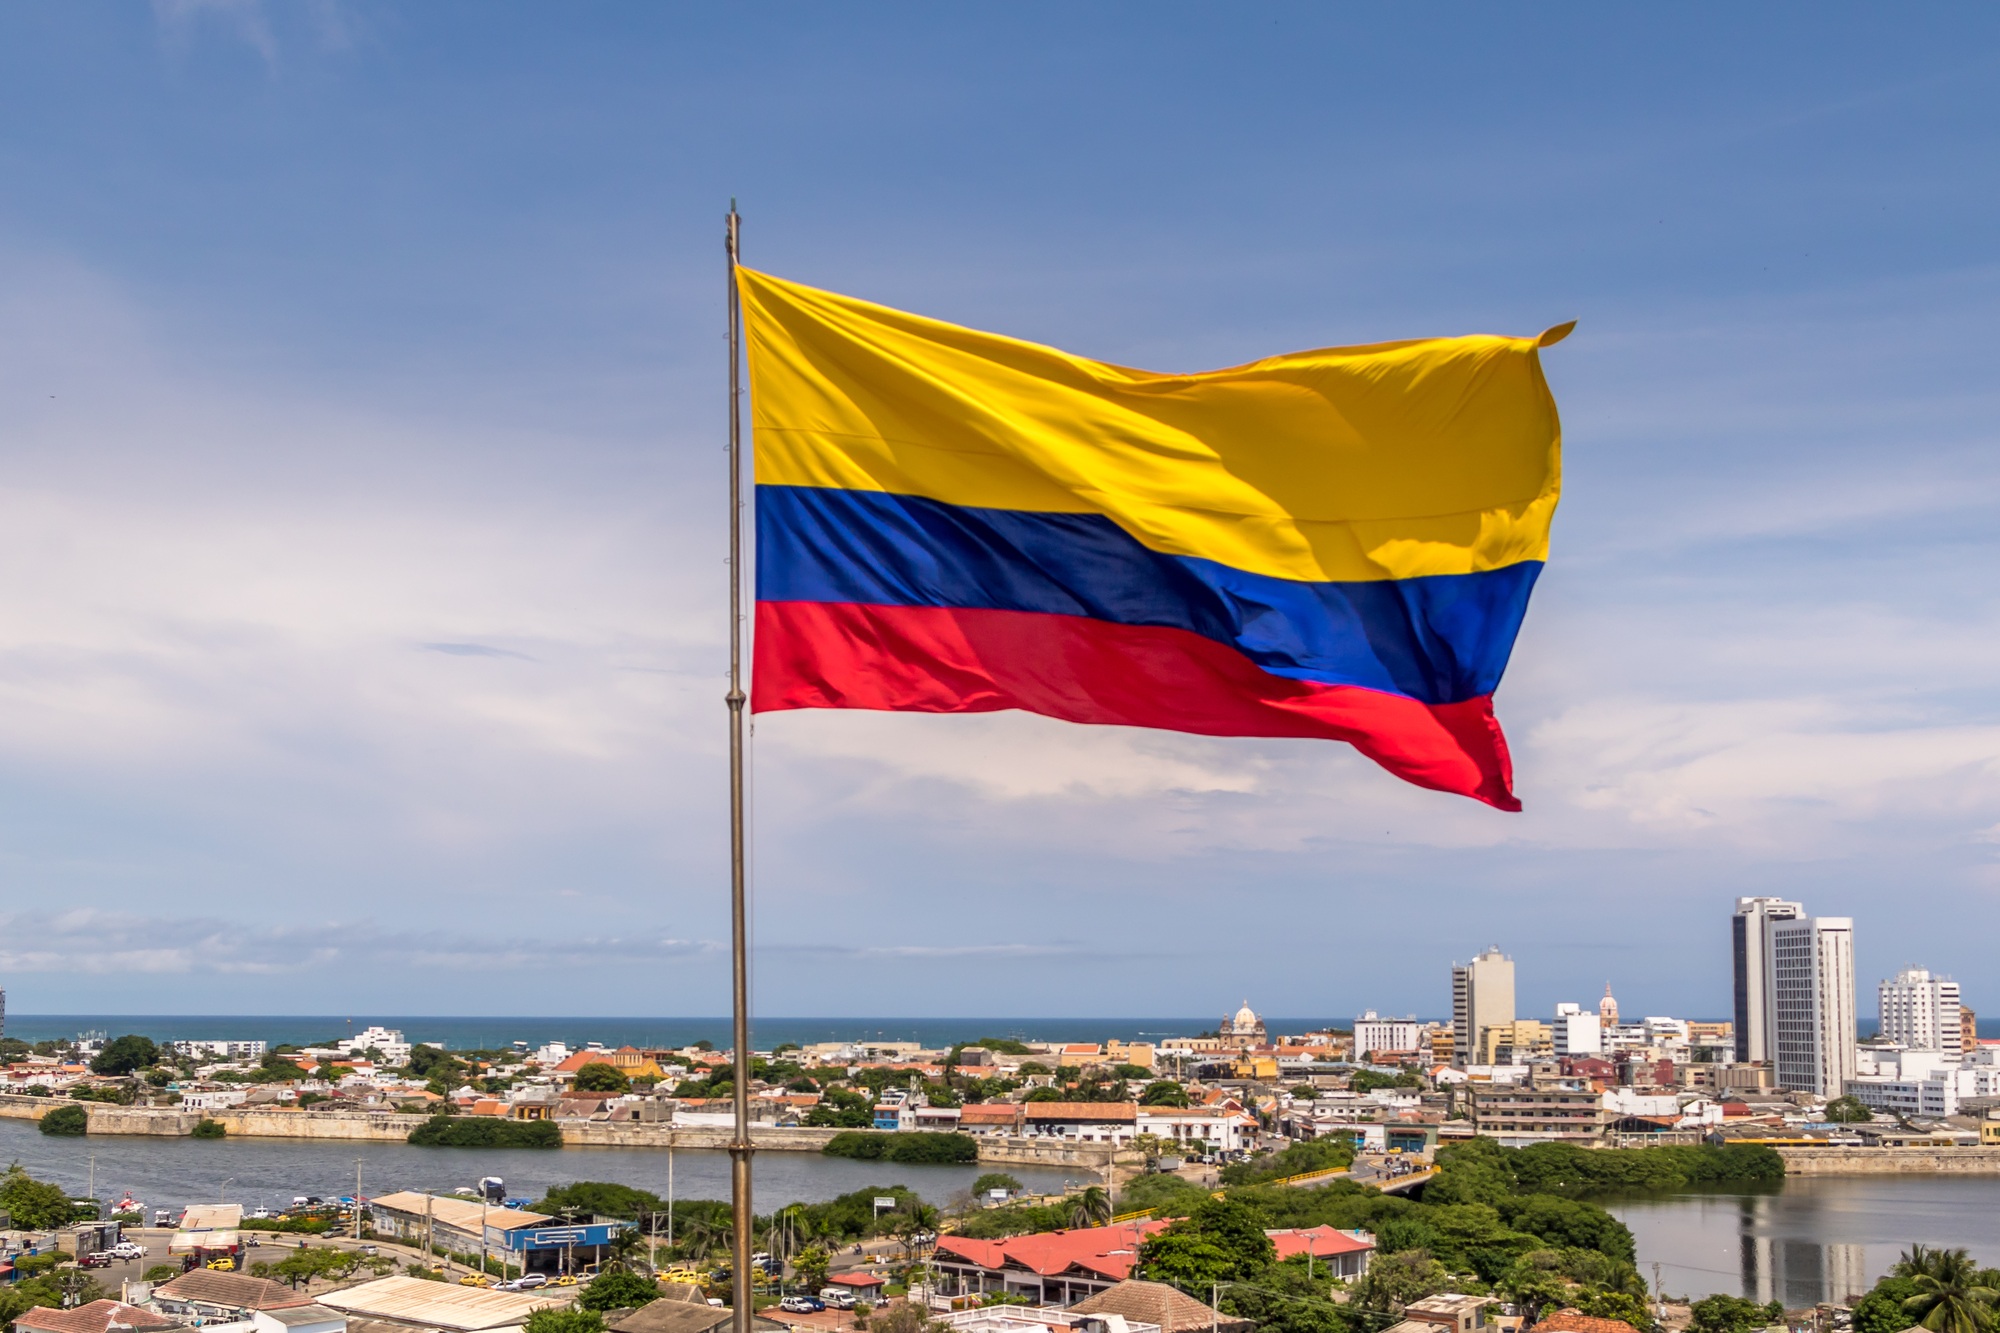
{"points": [[360, 407]]}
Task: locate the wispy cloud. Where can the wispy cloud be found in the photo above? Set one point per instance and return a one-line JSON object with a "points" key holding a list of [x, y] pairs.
{"points": [[473, 650]]}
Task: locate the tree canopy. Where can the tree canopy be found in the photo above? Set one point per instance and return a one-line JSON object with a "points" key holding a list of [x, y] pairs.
{"points": [[600, 1077], [125, 1055]]}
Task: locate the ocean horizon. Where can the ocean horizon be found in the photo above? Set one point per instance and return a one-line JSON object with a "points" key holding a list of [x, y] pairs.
{"points": [[460, 1032]]}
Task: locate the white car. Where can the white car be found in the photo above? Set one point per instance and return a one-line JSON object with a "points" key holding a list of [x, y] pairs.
{"points": [[128, 1250]]}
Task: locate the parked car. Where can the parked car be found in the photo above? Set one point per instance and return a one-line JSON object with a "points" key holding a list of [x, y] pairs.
{"points": [[99, 1259], [837, 1299], [127, 1249], [475, 1280], [526, 1282], [563, 1280], [801, 1305]]}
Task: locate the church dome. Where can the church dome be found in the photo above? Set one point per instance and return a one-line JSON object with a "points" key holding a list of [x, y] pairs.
{"points": [[1246, 1018]]}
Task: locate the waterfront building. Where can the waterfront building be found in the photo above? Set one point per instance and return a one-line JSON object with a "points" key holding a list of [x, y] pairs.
{"points": [[1809, 995], [1921, 1011], [1575, 1032], [1750, 930], [1482, 996], [1919, 1083], [1516, 1114], [1373, 1033]]}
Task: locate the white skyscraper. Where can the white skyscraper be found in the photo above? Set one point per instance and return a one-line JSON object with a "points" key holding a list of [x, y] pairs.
{"points": [[1920, 1011], [1750, 945], [1809, 993], [1577, 1031], [1482, 996]]}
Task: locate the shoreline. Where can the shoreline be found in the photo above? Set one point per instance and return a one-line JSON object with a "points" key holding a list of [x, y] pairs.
{"points": [[395, 1127]]}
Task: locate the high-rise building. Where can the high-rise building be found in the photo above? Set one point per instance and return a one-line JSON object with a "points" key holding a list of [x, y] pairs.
{"points": [[1921, 1011], [1750, 944], [1968, 1025], [1809, 994], [1482, 996], [1577, 1032]]}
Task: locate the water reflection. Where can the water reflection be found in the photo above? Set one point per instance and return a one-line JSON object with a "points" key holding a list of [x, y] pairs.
{"points": [[1813, 1238]]}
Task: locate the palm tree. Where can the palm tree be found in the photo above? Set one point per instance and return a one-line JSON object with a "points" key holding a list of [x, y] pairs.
{"points": [[1092, 1208], [1948, 1299]]}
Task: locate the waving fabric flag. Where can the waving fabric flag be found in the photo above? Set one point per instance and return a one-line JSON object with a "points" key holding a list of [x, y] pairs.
{"points": [[1336, 543]]}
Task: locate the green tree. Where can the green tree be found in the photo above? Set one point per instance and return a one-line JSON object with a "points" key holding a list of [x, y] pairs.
{"points": [[158, 1273], [601, 1198], [1232, 1228], [209, 1129], [996, 1180], [1091, 1207], [1616, 1305], [1848, 1111], [1394, 1280], [813, 1264], [1881, 1310], [34, 1205], [65, 1120], [1163, 1092], [125, 1055], [1733, 1314], [600, 1077], [564, 1319], [1187, 1259], [1949, 1296], [618, 1290], [1287, 1297]]}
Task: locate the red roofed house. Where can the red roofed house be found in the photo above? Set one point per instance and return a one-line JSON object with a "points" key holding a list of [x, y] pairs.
{"points": [[1049, 1267], [1344, 1253], [989, 1118], [1086, 1122], [867, 1286]]}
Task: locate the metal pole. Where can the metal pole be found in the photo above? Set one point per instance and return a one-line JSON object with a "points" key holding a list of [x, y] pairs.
{"points": [[739, 1146], [357, 1199]]}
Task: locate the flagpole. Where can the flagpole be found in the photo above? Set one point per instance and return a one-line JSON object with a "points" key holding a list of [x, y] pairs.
{"points": [[739, 1146]]}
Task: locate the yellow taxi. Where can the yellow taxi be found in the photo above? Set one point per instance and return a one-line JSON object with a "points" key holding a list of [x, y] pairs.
{"points": [[565, 1280], [475, 1280]]}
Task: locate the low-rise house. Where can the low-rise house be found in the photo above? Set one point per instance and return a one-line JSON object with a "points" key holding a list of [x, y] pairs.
{"points": [[1343, 1254], [96, 1317], [1085, 1122], [392, 1303], [990, 1118], [1453, 1312], [208, 1296], [1046, 1268], [1167, 1308]]}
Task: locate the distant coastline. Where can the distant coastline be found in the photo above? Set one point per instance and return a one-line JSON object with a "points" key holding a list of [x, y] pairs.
{"points": [[462, 1033], [479, 1033]]}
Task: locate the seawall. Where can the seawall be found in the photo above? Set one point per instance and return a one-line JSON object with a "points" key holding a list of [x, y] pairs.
{"points": [[261, 1123], [1890, 1161]]}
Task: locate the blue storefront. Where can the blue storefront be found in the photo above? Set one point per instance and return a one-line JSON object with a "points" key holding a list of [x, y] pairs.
{"points": [[557, 1249]]}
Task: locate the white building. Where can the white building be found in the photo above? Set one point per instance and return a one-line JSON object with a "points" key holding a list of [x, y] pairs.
{"points": [[219, 1050], [395, 1051], [1809, 994], [1482, 996], [1374, 1033], [1576, 1031], [1750, 931], [1921, 1011], [1931, 1084]]}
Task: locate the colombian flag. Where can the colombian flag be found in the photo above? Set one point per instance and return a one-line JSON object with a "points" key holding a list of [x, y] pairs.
{"points": [[1336, 543]]}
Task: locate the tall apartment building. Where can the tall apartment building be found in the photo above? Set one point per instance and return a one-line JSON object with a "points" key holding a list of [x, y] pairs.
{"points": [[1809, 994], [1921, 1011], [1750, 945], [1482, 996], [1375, 1033], [1577, 1032]]}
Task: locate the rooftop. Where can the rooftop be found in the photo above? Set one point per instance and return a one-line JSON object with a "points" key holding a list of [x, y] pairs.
{"points": [[414, 1301]]}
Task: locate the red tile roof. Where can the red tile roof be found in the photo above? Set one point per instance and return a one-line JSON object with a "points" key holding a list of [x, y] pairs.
{"points": [[1319, 1241], [1118, 1111], [1107, 1251], [854, 1280]]}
